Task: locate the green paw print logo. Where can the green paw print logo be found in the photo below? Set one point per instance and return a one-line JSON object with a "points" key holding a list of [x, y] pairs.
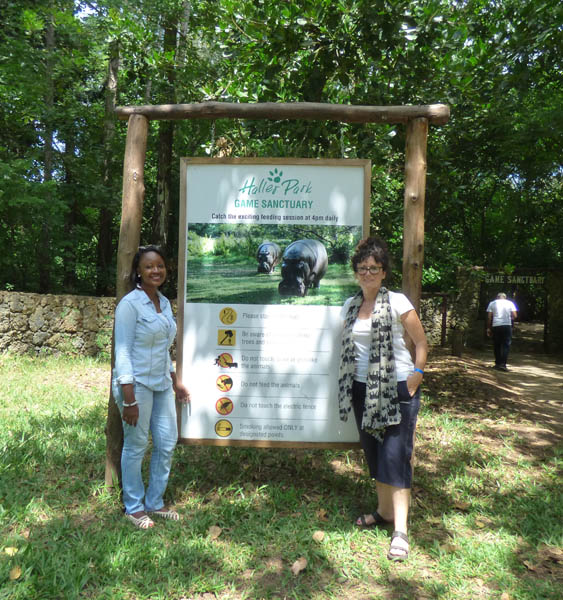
{"points": [[275, 176]]}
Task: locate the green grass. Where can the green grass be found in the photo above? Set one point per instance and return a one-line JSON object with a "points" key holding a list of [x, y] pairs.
{"points": [[232, 281], [485, 521]]}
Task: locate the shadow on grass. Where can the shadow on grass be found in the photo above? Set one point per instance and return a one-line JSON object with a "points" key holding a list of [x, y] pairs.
{"points": [[78, 545], [267, 502], [74, 542]]}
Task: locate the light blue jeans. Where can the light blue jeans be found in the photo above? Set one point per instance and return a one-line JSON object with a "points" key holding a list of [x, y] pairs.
{"points": [[157, 413]]}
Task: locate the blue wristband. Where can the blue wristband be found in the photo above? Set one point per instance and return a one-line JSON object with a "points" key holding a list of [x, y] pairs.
{"points": [[417, 370]]}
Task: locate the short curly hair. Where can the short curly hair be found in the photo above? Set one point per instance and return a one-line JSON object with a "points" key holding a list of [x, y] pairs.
{"points": [[374, 247]]}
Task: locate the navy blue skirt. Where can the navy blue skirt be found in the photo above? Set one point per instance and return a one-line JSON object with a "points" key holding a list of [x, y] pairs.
{"points": [[389, 461]]}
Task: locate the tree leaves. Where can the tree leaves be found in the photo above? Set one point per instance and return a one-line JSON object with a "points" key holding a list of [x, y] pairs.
{"points": [[318, 536], [214, 532], [299, 565], [494, 171]]}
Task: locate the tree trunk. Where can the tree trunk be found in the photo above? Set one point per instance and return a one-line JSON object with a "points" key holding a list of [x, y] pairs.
{"points": [[129, 237], [181, 52], [105, 247], [163, 182], [71, 219], [44, 245], [165, 144]]}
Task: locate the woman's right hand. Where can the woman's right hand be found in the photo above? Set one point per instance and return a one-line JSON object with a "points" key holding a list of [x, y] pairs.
{"points": [[130, 413]]}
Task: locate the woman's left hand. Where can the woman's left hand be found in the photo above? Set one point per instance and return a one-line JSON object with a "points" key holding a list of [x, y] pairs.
{"points": [[182, 393], [413, 382], [413, 327]]}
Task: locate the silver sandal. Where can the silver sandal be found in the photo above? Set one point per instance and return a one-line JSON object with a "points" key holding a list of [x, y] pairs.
{"points": [[142, 522]]}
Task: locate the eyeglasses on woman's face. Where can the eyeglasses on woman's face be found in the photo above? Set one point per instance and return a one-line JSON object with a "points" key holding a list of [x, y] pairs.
{"points": [[370, 270]]}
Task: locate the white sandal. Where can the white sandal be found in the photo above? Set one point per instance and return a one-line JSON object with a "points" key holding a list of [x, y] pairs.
{"points": [[142, 522], [166, 513], [398, 552]]}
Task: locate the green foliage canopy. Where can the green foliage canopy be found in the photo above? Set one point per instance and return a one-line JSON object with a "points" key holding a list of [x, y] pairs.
{"points": [[494, 171]]}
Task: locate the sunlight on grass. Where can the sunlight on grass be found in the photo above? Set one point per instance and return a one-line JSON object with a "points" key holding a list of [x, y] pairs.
{"points": [[484, 514]]}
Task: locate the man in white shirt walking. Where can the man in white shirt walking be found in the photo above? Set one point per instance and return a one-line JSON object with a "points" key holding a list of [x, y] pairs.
{"points": [[500, 316]]}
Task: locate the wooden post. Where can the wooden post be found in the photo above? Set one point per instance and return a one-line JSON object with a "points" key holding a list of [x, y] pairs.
{"points": [[415, 186], [129, 237], [413, 220]]}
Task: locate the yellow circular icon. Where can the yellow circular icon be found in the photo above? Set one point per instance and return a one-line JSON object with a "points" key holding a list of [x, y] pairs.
{"points": [[224, 383], [228, 315], [223, 428], [224, 406]]}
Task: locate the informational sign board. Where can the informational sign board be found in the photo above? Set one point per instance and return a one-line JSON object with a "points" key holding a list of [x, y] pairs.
{"points": [[264, 268]]}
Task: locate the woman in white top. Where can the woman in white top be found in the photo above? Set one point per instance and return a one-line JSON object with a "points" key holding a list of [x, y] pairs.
{"points": [[380, 382]]}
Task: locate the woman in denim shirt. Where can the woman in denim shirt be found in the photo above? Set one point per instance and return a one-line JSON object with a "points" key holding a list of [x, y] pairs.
{"points": [[144, 385]]}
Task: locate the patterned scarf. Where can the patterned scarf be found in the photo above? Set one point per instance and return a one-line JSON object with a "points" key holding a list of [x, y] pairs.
{"points": [[381, 405]]}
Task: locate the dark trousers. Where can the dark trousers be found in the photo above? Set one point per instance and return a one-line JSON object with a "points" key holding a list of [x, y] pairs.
{"points": [[502, 338], [389, 461]]}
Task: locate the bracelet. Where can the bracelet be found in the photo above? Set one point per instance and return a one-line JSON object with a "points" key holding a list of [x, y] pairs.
{"points": [[417, 370], [129, 405]]}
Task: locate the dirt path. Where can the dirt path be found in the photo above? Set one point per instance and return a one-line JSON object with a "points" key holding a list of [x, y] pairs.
{"points": [[529, 395]]}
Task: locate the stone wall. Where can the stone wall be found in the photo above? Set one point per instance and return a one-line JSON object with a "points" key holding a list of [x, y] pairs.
{"points": [[431, 309], [465, 308], [45, 323], [82, 325]]}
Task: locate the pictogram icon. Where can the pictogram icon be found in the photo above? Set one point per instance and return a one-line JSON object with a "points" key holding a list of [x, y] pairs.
{"points": [[224, 406], [223, 428], [228, 315], [225, 360], [224, 383], [226, 337]]}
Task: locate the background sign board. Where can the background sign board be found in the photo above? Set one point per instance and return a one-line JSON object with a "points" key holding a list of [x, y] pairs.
{"points": [[258, 345], [515, 279], [525, 287]]}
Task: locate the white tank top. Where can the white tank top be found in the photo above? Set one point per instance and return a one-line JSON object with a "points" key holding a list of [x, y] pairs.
{"points": [[361, 333]]}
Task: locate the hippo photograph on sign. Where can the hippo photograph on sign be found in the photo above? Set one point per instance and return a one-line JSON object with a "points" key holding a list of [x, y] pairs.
{"points": [[242, 264], [268, 256], [304, 264]]}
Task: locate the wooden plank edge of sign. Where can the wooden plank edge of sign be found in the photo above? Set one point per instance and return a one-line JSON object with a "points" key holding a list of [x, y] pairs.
{"points": [[181, 262], [269, 444], [437, 114], [265, 160]]}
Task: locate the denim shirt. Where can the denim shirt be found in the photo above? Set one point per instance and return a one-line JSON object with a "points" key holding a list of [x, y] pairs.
{"points": [[142, 341]]}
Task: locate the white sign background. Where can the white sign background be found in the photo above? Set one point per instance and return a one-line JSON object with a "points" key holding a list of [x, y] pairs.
{"points": [[333, 191], [264, 374]]}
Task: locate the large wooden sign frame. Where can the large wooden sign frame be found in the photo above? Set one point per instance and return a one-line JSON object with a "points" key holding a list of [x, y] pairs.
{"points": [[416, 118]]}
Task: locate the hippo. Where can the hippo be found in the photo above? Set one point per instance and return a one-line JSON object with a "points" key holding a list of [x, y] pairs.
{"points": [[304, 264], [268, 257]]}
